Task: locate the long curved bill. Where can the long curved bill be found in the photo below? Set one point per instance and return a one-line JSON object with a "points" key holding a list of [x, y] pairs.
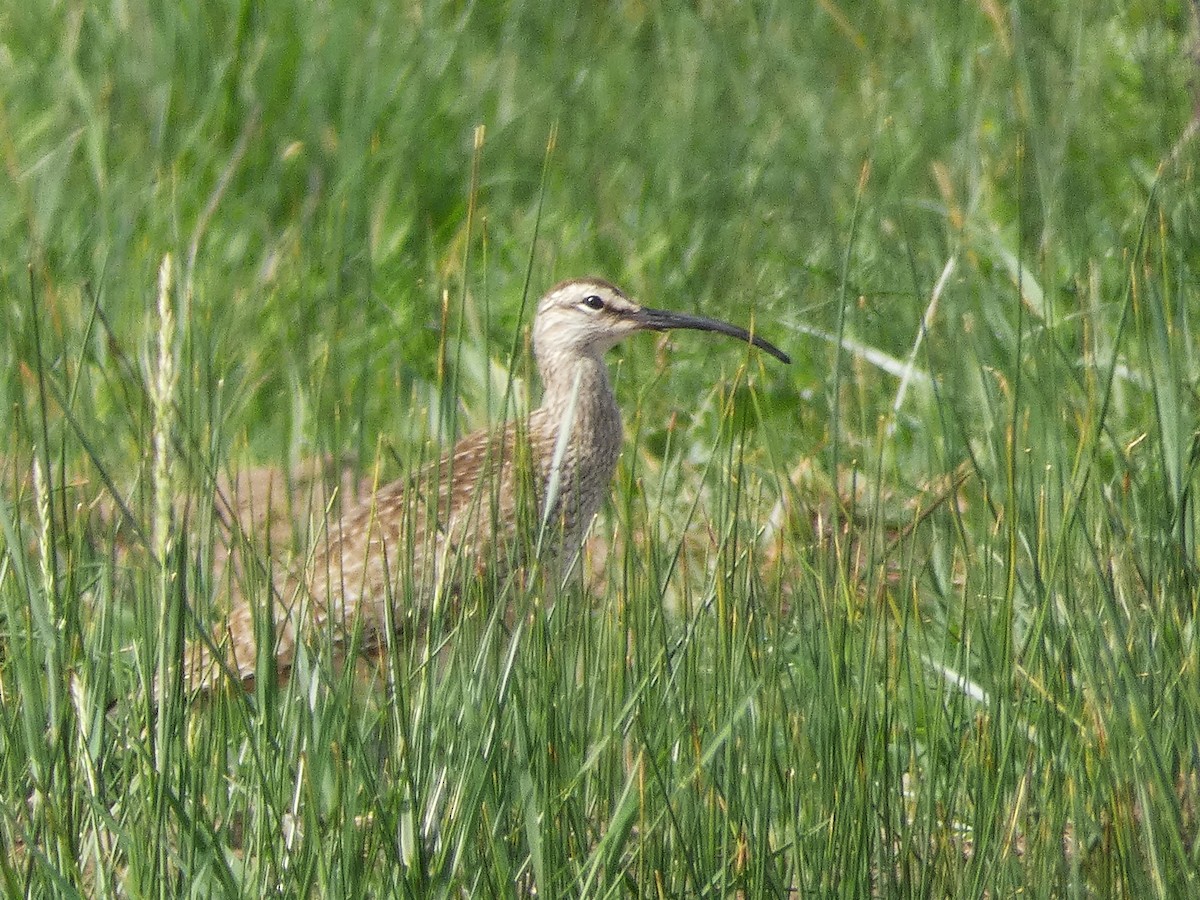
{"points": [[665, 320]]}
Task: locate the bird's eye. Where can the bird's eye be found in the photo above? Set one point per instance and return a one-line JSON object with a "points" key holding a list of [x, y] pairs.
{"points": [[593, 302]]}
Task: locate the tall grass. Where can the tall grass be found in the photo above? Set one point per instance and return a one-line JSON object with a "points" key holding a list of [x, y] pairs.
{"points": [[915, 616]]}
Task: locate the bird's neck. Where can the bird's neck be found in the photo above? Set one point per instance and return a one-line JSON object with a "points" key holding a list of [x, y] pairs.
{"points": [[578, 386], [578, 440]]}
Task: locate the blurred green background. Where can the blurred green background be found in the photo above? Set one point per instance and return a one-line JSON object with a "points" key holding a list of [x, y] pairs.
{"points": [[310, 165], [974, 225]]}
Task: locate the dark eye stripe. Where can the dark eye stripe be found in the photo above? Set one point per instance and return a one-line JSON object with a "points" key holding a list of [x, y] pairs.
{"points": [[593, 302]]}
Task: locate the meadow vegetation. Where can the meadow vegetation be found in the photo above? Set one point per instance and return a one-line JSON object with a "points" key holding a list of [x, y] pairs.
{"points": [[914, 616]]}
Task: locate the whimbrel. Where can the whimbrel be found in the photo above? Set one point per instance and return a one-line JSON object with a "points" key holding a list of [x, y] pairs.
{"points": [[388, 557]]}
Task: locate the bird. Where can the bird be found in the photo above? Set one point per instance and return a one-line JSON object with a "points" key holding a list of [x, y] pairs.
{"points": [[498, 498]]}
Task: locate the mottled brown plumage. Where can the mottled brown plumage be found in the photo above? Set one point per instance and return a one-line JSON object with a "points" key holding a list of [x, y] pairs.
{"points": [[533, 485]]}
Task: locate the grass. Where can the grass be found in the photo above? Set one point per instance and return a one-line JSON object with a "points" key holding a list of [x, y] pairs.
{"points": [[913, 616]]}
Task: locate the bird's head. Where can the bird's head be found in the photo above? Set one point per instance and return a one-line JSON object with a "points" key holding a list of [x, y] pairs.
{"points": [[588, 316]]}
